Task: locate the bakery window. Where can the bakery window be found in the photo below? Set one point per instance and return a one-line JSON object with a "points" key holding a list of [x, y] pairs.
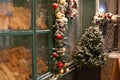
{"points": [[25, 39], [16, 57]]}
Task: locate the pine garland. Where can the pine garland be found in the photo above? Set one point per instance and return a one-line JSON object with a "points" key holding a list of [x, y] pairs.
{"points": [[64, 10]]}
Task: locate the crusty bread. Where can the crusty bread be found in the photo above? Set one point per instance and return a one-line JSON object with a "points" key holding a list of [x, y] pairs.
{"points": [[8, 73], [20, 19], [18, 65]]}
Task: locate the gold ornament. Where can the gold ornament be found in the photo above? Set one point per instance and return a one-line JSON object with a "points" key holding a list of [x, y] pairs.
{"points": [[67, 70], [61, 71], [58, 15], [63, 54], [66, 64], [62, 2], [63, 49]]}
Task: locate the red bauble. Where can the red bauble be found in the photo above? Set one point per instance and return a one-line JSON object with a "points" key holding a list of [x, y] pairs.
{"points": [[109, 17], [55, 5], [74, 14], [60, 65], [58, 36], [54, 54]]}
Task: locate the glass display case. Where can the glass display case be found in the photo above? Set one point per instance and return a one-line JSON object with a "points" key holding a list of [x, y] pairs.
{"points": [[25, 38]]}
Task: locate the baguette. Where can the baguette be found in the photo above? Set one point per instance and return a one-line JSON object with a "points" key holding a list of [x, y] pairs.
{"points": [[10, 67], [2, 74], [8, 73]]}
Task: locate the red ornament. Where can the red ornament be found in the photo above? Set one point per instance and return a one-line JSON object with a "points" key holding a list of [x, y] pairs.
{"points": [[73, 13], [109, 17], [54, 54], [58, 36], [60, 65], [55, 5]]}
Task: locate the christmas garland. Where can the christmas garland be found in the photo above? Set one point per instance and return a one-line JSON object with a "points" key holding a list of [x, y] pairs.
{"points": [[64, 10], [102, 18]]}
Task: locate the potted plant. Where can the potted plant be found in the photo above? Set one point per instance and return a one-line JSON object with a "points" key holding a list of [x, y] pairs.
{"points": [[89, 54]]}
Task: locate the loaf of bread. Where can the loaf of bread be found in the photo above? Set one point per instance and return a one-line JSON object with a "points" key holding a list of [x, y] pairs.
{"points": [[3, 76], [8, 73], [18, 64], [19, 18]]}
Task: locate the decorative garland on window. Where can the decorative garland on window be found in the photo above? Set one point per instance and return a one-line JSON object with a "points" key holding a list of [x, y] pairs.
{"points": [[64, 10], [102, 18]]}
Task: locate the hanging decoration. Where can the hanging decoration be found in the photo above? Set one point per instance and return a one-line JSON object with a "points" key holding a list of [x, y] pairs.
{"points": [[64, 11]]}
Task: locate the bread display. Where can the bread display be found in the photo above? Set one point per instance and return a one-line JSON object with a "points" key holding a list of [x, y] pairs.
{"points": [[18, 18], [18, 64]]}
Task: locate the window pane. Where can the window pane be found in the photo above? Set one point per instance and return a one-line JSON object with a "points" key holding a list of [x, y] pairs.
{"points": [[73, 37], [42, 14], [42, 52], [15, 15], [16, 57]]}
